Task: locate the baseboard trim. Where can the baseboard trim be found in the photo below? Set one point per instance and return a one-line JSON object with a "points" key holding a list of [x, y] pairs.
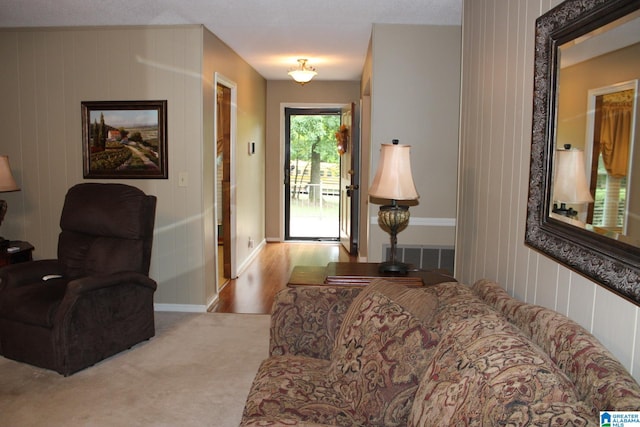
{"points": [[213, 301], [186, 308], [250, 258]]}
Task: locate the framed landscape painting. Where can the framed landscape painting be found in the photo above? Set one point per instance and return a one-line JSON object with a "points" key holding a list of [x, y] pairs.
{"points": [[124, 139]]}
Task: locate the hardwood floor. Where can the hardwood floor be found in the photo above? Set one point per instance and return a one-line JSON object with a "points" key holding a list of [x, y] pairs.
{"points": [[254, 289]]}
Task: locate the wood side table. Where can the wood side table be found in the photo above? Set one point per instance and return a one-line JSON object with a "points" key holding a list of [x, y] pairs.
{"points": [[21, 253], [361, 274]]}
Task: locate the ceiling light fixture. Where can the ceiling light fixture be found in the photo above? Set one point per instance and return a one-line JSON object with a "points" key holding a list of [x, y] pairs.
{"points": [[302, 73]]}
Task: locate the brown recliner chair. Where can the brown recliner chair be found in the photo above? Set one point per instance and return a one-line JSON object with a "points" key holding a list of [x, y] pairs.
{"points": [[96, 299]]}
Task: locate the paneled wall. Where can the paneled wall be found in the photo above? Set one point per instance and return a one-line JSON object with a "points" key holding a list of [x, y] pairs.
{"points": [[44, 76], [497, 87]]}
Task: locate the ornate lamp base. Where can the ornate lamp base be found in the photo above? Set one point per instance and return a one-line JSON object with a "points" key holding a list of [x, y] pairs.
{"points": [[562, 210], [393, 219], [393, 267]]}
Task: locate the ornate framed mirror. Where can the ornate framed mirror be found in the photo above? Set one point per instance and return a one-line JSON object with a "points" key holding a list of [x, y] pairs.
{"points": [[587, 62]]}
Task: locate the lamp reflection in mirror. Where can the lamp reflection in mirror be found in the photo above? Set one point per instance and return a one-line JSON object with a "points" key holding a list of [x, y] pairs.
{"points": [[302, 73], [570, 183], [7, 183], [394, 181]]}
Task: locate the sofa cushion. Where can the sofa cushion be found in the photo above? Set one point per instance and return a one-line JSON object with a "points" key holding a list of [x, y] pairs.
{"points": [[456, 302], [35, 304], [88, 209], [486, 372], [296, 390], [306, 319], [383, 346], [88, 255]]}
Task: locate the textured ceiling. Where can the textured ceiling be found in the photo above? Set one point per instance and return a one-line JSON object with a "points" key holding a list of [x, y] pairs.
{"points": [[269, 34]]}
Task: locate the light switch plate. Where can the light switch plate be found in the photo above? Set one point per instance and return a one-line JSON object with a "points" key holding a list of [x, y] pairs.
{"points": [[183, 179]]}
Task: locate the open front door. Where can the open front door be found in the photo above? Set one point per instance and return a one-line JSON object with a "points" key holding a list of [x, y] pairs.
{"points": [[350, 182]]}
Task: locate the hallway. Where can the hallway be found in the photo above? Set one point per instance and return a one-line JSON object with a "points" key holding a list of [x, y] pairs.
{"points": [[254, 289]]}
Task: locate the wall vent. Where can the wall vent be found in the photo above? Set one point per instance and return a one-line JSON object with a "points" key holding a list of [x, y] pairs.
{"points": [[424, 257]]}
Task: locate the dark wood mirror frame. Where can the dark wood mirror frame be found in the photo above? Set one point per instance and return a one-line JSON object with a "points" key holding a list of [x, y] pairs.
{"points": [[611, 263]]}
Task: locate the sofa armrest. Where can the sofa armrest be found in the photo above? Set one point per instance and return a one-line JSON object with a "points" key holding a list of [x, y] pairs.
{"points": [[600, 379], [306, 319], [100, 316], [93, 283], [27, 273], [116, 295]]}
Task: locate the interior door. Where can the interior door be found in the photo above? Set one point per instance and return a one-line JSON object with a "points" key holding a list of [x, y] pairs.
{"points": [[350, 182], [223, 179]]}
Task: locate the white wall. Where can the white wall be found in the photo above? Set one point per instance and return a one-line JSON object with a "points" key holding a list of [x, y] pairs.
{"points": [[497, 88], [415, 97]]}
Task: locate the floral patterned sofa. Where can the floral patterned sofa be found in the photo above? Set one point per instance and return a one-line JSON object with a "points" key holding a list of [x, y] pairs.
{"points": [[448, 354]]}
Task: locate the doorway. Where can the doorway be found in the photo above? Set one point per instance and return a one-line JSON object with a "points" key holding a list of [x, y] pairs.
{"points": [[224, 125], [312, 174]]}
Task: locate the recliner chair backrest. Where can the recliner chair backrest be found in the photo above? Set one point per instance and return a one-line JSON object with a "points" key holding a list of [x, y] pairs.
{"points": [[106, 228]]}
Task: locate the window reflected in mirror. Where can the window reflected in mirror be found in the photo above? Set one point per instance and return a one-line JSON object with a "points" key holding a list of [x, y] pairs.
{"points": [[597, 116]]}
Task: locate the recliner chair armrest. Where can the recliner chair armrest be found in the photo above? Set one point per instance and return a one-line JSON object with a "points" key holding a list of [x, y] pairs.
{"points": [[26, 273], [101, 315], [92, 283], [306, 319]]}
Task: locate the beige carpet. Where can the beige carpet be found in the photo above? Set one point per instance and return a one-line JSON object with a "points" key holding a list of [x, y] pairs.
{"points": [[196, 371]]}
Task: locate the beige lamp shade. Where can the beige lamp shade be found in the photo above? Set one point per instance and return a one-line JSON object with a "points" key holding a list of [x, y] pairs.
{"points": [[393, 178], [7, 183], [570, 183]]}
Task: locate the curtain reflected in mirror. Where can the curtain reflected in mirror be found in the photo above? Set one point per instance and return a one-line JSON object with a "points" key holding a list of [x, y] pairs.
{"points": [[597, 114], [611, 154]]}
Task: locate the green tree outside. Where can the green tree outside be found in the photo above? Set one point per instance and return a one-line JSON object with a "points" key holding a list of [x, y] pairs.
{"points": [[313, 141]]}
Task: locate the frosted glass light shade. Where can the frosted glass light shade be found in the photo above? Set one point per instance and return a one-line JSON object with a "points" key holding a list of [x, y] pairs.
{"points": [[303, 73], [570, 183], [302, 76], [7, 183], [393, 178]]}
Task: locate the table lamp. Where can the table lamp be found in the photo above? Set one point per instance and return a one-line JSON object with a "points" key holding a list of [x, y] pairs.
{"points": [[7, 183], [393, 181], [570, 181]]}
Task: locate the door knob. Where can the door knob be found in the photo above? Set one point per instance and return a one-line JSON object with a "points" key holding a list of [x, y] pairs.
{"points": [[351, 189]]}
